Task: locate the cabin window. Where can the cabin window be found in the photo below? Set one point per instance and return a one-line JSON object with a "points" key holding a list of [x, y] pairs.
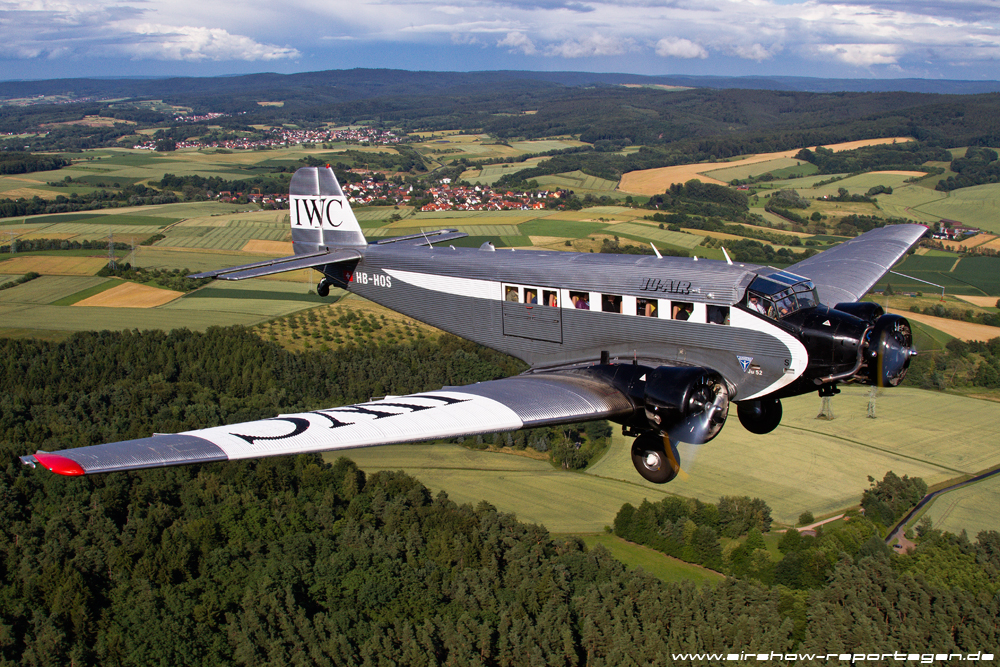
{"points": [[530, 295], [550, 298], [511, 293], [646, 308], [580, 300], [682, 310], [611, 303], [718, 314]]}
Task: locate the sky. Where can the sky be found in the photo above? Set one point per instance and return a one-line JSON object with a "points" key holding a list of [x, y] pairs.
{"points": [[943, 39]]}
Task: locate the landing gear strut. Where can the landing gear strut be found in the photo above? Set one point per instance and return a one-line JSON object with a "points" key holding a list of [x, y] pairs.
{"points": [[655, 457]]}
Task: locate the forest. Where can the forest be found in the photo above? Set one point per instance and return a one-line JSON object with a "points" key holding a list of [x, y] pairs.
{"points": [[291, 560]]}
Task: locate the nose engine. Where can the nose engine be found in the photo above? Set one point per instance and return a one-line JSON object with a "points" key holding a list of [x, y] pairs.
{"points": [[887, 351]]}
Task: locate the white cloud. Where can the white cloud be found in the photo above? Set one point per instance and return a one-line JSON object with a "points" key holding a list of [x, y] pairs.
{"points": [[518, 41], [193, 43], [678, 47], [756, 52], [595, 45], [862, 54]]}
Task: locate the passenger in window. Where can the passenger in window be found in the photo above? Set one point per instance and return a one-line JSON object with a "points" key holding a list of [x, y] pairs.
{"points": [[645, 307], [580, 300], [682, 311], [611, 303], [511, 294], [551, 298], [530, 296], [718, 315]]}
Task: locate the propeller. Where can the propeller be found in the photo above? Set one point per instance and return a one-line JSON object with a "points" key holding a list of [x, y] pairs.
{"points": [[891, 350], [708, 407]]}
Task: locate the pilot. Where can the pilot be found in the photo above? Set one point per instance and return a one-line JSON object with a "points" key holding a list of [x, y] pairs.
{"points": [[754, 304]]}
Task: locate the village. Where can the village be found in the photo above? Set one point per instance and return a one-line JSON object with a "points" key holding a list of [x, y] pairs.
{"points": [[280, 137], [375, 190]]}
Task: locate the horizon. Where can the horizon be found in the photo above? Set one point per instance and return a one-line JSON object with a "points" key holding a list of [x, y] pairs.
{"points": [[848, 39]]}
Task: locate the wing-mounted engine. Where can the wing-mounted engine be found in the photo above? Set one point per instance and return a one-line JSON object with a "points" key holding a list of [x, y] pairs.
{"points": [[681, 404]]}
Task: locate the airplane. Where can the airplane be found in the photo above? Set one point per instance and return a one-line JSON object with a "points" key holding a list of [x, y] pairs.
{"points": [[660, 345]]}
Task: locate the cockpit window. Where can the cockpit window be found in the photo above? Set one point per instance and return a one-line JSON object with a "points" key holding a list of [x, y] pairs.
{"points": [[777, 296]]}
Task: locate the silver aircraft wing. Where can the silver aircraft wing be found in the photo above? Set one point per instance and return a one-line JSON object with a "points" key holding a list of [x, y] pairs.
{"points": [[847, 272], [521, 401]]}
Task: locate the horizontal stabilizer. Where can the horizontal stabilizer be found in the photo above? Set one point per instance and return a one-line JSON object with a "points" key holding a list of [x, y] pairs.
{"points": [[282, 264], [427, 238]]}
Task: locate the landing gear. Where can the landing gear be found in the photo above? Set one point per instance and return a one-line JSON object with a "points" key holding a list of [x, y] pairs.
{"points": [[323, 289], [655, 457], [760, 416]]}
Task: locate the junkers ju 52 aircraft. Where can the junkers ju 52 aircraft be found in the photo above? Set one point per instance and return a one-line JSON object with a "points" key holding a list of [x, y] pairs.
{"points": [[660, 345]]}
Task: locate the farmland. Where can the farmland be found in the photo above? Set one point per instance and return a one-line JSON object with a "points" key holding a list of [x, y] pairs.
{"points": [[807, 464]]}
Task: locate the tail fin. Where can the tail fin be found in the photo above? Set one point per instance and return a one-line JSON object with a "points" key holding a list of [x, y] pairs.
{"points": [[321, 216]]}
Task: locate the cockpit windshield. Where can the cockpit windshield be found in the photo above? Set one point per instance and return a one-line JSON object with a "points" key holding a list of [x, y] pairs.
{"points": [[780, 294]]}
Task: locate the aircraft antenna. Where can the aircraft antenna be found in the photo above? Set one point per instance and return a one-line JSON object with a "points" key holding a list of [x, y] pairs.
{"points": [[728, 261], [658, 255]]}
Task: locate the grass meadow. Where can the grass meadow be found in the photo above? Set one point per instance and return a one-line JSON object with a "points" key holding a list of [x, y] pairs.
{"points": [[807, 464], [971, 508], [661, 566]]}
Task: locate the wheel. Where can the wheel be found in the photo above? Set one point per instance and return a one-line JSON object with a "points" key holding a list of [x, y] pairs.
{"points": [[323, 289], [760, 416], [653, 460]]}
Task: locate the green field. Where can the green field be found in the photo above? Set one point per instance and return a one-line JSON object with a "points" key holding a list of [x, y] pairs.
{"points": [[653, 233], [978, 206], [571, 229], [659, 565], [255, 298], [860, 184], [742, 172], [968, 275], [48, 289], [807, 464], [972, 508], [231, 237], [580, 183]]}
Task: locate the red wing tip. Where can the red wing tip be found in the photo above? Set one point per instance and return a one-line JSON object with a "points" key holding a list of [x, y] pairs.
{"points": [[59, 464]]}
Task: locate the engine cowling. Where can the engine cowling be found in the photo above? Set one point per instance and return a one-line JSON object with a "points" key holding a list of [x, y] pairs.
{"points": [[888, 351], [689, 404]]}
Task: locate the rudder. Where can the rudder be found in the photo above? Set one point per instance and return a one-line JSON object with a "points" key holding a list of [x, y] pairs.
{"points": [[321, 216]]}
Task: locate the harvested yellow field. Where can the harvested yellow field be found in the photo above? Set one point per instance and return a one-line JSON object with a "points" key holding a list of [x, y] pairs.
{"points": [[53, 266], [955, 328], [913, 174], [984, 240], [656, 181], [981, 301], [269, 247], [131, 295], [28, 193]]}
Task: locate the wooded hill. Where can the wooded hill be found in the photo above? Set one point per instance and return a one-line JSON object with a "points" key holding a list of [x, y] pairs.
{"points": [[290, 561], [695, 123]]}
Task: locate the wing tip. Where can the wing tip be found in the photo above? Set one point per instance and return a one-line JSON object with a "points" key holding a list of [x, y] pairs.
{"points": [[57, 464]]}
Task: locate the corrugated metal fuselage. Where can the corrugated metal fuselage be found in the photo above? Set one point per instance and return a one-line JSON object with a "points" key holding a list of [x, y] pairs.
{"points": [[468, 292]]}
